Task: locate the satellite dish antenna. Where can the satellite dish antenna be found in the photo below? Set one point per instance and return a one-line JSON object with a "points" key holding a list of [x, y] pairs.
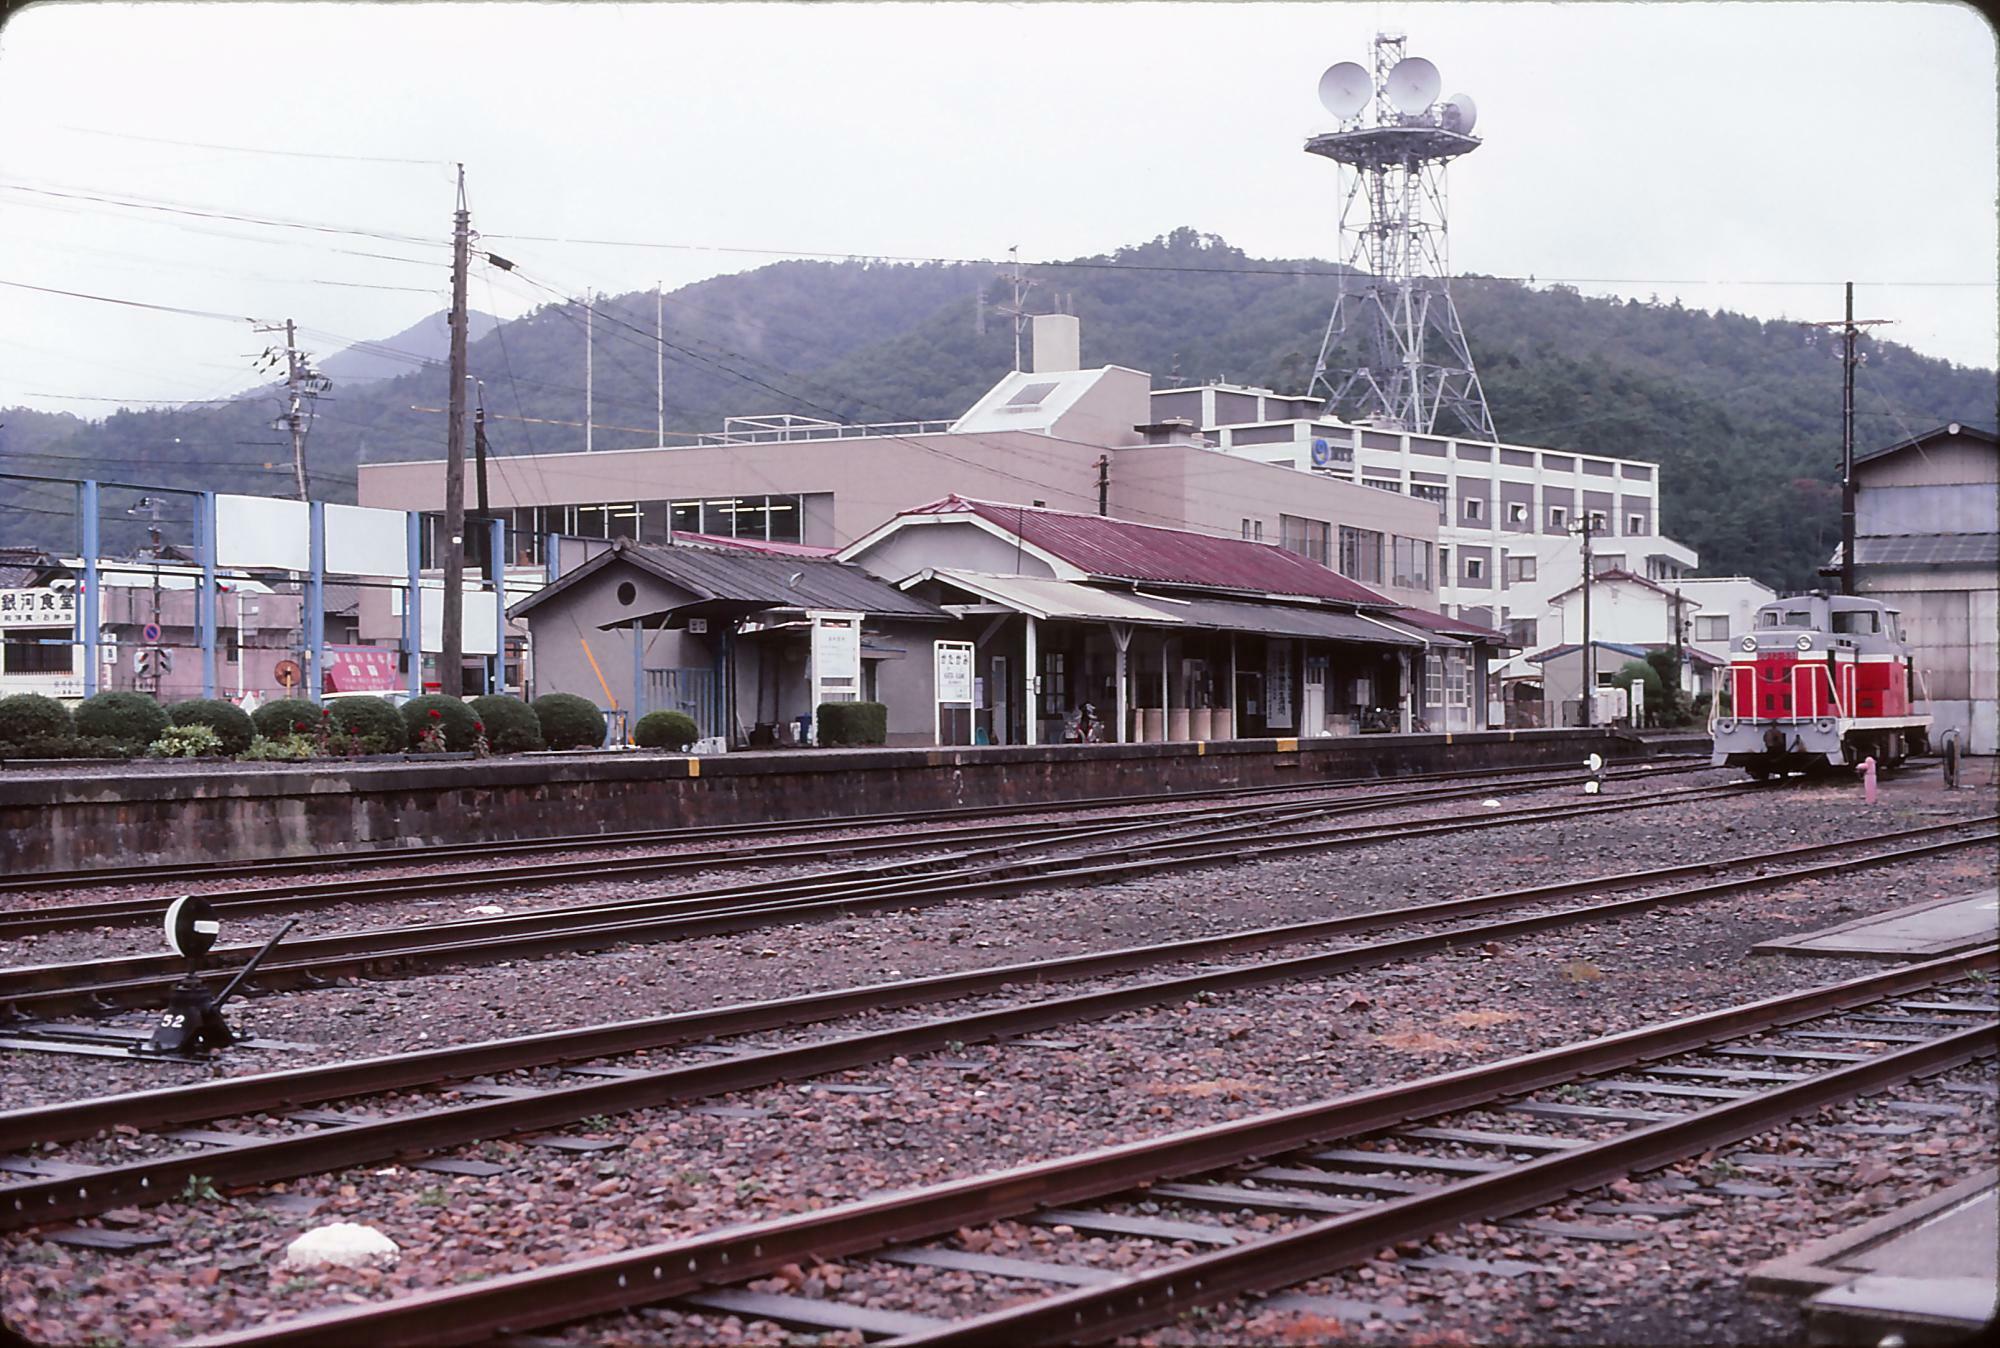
{"points": [[1460, 113], [1344, 89], [1413, 84]]}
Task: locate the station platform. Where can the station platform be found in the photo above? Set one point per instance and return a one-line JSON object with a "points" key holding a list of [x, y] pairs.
{"points": [[1929, 1272], [1920, 931], [187, 811]]}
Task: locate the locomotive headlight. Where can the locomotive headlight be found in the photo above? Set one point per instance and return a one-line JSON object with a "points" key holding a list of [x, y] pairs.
{"points": [[1726, 724], [1804, 643], [1824, 727]]}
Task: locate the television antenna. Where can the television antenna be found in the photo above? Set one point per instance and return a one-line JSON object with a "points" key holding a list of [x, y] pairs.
{"points": [[1410, 367]]}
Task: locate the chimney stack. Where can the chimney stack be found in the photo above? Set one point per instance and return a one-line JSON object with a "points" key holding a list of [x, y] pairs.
{"points": [[1058, 343]]}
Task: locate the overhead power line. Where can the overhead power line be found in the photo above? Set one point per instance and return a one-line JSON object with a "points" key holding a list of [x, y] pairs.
{"points": [[251, 149], [204, 213], [130, 304]]}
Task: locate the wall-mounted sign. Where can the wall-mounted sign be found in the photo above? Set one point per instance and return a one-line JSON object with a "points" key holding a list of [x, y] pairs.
{"points": [[836, 647], [37, 608], [1278, 684], [697, 626]]}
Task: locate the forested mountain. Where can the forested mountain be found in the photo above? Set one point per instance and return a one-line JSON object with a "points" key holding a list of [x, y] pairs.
{"points": [[1742, 415]]}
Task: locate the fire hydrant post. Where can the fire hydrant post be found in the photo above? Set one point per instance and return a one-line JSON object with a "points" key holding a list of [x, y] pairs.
{"points": [[1868, 779]]}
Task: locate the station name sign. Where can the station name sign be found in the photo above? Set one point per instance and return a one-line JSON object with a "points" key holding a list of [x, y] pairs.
{"points": [[37, 608]]}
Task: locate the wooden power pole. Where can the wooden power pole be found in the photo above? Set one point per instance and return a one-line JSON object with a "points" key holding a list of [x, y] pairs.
{"points": [[1850, 333], [451, 653]]}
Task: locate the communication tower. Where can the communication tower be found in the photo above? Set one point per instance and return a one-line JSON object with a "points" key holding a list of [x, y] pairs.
{"points": [[1409, 366]]}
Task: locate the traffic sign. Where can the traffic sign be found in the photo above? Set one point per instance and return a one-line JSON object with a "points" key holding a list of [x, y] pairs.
{"points": [[287, 673], [150, 632]]}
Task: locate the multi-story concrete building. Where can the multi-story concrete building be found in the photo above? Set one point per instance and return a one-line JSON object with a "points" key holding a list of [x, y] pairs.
{"points": [[1506, 513]]}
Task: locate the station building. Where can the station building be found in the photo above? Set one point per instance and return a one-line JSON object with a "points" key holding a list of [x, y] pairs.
{"points": [[997, 623]]}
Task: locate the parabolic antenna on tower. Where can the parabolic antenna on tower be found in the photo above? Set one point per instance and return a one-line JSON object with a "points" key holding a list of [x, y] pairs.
{"points": [[1412, 84], [1344, 89], [1460, 112]]}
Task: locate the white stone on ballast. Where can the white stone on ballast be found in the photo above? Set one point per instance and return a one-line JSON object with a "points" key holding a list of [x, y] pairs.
{"points": [[347, 1244]]}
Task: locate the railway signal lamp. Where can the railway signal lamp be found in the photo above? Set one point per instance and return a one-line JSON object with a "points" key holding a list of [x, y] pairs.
{"points": [[192, 1022], [1593, 783]]}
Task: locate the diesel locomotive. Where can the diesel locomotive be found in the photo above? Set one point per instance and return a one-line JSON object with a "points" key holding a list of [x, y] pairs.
{"points": [[1820, 682]]}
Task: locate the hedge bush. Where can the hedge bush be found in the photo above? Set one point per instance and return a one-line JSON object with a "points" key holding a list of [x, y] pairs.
{"points": [[28, 717], [460, 726], [511, 724], [284, 749], [231, 724], [286, 716], [132, 719], [853, 723], [665, 730], [373, 726], [569, 721], [68, 746]]}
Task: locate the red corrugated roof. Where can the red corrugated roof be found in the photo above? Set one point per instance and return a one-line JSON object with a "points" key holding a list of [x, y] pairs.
{"points": [[1122, 550]]}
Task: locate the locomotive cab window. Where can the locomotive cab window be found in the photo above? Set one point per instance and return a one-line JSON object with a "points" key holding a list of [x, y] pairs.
{"points": [[1857, 622]]}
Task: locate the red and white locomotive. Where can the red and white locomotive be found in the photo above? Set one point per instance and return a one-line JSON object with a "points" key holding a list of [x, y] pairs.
{"points": [[1821, 681]]}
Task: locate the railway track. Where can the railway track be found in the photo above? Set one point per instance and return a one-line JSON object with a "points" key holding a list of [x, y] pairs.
{"points": [[306, 895], [482, 854], [53, 1190], [1399, 1173], [39, 991]]}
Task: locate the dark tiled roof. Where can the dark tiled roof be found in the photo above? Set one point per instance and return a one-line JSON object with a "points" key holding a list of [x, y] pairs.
{"points": [[751, 580], [1452, 627], [1121, 550]]}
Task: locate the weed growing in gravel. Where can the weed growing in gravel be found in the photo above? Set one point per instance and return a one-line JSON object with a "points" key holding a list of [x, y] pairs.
{"points": [[436, 1196], [597, 1123], [1724, 1168], [1582, 971], [694, 1177], [1570, 1092], [199, 1189], [748, 1188], [295, 1285]]}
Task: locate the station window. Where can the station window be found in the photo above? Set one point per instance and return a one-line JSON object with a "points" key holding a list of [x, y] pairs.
{"points": [[1635, 524], [1558, 517], [1475, 568], [1517, 512], [1412, 557], [1474, 508], [1520, 570]]}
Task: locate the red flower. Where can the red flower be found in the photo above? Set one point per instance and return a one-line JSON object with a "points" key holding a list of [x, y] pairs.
{"points": [[299, 726], [479, 727], [326, 711], [436, 714]]}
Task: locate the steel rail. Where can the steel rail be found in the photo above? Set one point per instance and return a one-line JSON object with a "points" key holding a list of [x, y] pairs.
{"points": [[263, 1092], [1091, 1315], [139, 980], [308, 894], [406, 854], [435, 1067], [567, 1292], [39, 1201]]}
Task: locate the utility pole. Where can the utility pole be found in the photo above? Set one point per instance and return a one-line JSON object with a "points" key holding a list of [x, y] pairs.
{"points": [[1589, 646], [479, 442], [301, 380], [1104, 484], [660, 356], [451, 655], [1850, 332], [1022, 285], [589, 397]]}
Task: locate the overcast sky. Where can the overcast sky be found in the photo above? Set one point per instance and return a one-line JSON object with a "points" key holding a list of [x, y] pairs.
{"points": [[1744, 156]]}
